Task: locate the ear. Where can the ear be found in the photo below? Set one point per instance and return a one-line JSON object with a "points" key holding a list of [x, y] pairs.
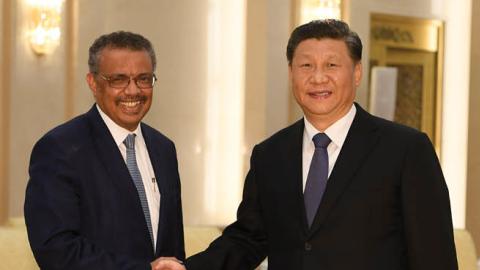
{"points": [[92, 83], [358, 70]]}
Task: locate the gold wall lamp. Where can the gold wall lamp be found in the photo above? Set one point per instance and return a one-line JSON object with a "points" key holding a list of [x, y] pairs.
{"points": [[309, 10], [44, 25]]}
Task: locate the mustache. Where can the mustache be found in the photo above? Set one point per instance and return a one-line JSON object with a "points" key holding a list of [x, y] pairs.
{"points": [[135, 98]]}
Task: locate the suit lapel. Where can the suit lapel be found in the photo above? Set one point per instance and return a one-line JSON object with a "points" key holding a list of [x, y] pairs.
{"points": [[110, 155], [114, 164], [292, 168], [156, 160], [359, 142]]}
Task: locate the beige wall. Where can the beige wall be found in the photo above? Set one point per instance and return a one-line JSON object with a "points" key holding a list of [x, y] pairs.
{"points": [[179, 109], [36, 102], [181, 47], [455, 85], [4, 25], [179, 95], [279, 26], [178, 30], [358, 15], [267, 89], [255, 76], [473, 177]]}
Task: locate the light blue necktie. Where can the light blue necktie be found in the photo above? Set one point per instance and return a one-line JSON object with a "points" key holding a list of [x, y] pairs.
{"points": [[137, 179], [317, 176]]}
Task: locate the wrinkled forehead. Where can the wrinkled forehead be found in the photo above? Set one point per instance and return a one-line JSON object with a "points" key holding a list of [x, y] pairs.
{"points": [[125, 59]]}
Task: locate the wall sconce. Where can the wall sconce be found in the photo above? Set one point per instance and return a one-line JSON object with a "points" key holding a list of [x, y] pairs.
{"points": [[319, 9], [44, 25]]}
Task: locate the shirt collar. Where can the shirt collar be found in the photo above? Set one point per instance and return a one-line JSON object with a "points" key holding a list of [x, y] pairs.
{"points": [[118, 133], [337, 132]]}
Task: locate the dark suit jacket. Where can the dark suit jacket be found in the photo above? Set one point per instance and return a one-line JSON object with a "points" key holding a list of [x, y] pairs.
{"points": [[386, 207], [82, 210]]}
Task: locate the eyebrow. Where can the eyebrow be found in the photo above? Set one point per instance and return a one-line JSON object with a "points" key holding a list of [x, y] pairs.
{"points": [[124, 74], [327, 56]]}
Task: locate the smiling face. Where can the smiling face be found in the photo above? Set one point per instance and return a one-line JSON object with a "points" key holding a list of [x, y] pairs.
{"points": [[324, 80], [127, 106]]}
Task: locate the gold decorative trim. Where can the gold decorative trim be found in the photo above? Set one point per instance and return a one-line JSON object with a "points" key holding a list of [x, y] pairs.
{"points": [[5, 74], [439, 101], [392, 34], [398, 39], [71, 7], [294, 113], [405, 32]]}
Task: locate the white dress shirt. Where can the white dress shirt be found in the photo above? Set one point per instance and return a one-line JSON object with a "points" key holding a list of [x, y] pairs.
{"points": [[337, 132], [119, 134]]}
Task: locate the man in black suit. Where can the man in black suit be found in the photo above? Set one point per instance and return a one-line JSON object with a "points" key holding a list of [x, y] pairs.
{"points": [[104, 189], [340, 189]]}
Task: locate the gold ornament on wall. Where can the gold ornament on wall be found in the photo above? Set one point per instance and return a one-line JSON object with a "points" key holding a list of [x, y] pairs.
{"points": [[310, 10], [44, 25]]}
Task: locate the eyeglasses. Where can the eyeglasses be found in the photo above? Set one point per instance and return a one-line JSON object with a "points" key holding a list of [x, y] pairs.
{"points": [[121, 81]]}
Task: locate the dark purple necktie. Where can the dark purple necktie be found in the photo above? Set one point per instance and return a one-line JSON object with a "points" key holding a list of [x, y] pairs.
{"points": [[317, 176]]}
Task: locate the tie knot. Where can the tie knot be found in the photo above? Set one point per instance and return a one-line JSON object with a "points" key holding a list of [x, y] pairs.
{"points": [[321, 140], [130, 141]]}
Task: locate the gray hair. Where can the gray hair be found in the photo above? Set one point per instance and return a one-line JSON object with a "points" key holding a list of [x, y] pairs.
{"points": [[119, 40]]}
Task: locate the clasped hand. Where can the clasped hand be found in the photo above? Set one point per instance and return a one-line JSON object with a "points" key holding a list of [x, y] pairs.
{"points": [[167, 263]]}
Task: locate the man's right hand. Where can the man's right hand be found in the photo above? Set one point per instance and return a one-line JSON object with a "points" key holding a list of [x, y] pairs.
{"points": [[167, 263]]}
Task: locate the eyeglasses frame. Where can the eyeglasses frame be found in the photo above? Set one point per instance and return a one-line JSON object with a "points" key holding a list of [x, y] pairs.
{"points": [[109, 78]]}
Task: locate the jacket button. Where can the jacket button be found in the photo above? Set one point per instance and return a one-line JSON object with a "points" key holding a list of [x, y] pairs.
{"points": [[308, 246]]}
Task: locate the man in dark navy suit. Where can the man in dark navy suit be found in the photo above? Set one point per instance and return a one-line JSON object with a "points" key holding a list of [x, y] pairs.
{"points": [[340, 189], [104, 189]]}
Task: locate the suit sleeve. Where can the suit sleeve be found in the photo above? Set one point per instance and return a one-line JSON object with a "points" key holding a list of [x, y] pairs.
{"points": [[426, 210], [52, 215], [243, 244]]}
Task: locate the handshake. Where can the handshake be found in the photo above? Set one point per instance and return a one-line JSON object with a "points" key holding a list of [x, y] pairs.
{"points": [[167, 263]]}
